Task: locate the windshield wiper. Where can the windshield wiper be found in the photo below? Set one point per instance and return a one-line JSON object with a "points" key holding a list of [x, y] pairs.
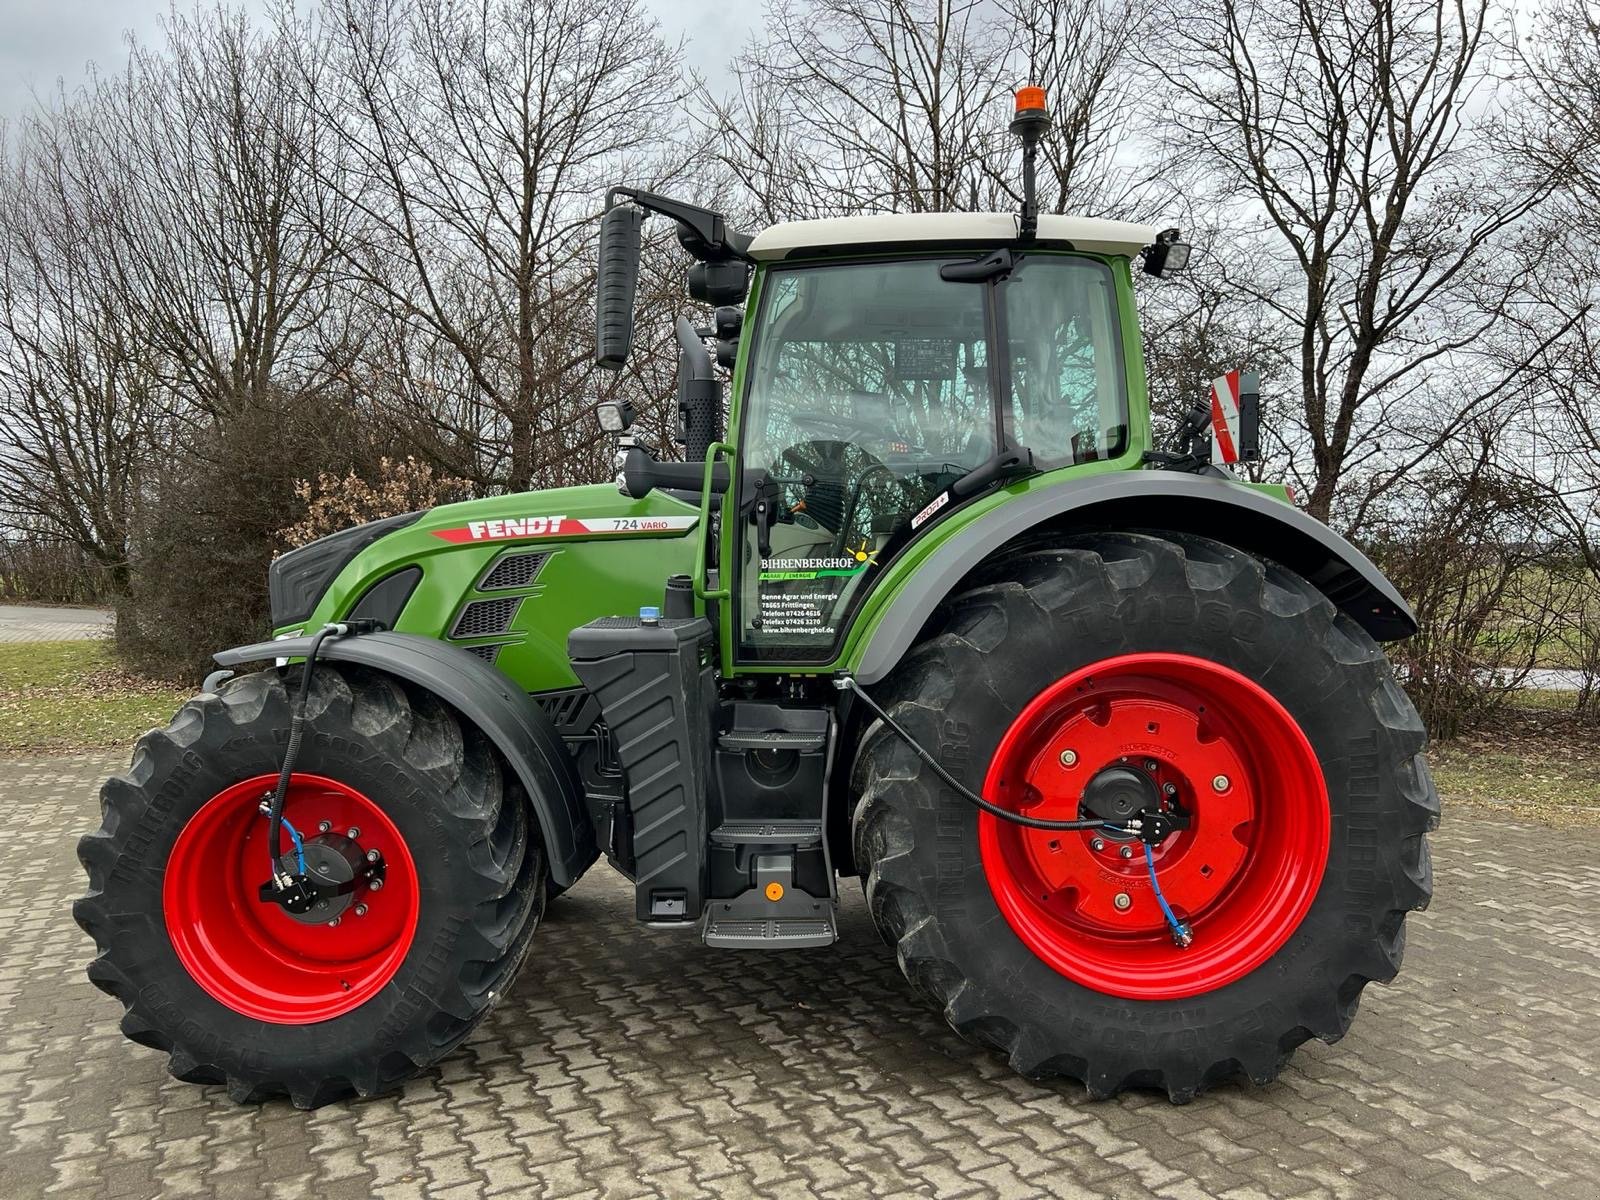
{"points": [[1016, 461], [979, 270]]}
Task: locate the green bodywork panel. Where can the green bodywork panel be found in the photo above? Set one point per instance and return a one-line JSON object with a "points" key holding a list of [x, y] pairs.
{"points": [[588, 575], [619, 563]]}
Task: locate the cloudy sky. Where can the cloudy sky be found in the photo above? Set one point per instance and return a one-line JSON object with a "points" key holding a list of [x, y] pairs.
{"points": [[42, 41]]}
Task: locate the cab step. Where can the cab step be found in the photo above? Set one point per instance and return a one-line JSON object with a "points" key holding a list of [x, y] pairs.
{"points": [[775, 914], [770, 934], [797, 835]]}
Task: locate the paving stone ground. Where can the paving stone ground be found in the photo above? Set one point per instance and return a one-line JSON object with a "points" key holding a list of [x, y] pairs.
{"points": [[39, 623], [632, 1063]]}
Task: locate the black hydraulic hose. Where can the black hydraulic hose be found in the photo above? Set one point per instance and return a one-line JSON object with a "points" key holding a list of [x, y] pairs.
{"points": [[297, 721], [845, 682]]}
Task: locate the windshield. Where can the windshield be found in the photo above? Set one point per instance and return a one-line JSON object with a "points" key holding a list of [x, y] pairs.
{"points": [[873, 389]]}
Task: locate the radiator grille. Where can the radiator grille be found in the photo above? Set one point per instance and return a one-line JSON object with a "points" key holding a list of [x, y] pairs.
{"points": [[484, 617], [513, 570]]}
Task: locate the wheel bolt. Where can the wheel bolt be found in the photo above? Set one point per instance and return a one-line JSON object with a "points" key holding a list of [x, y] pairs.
{"points": [[1220, 783], [377, 885], [373, 856], [1097, 843], [1123, 901], [324, 826], [361, 910], [352, 833], [1151, 765], [1169, 789], [1126, 852], [1069, 758], [333, 922]]}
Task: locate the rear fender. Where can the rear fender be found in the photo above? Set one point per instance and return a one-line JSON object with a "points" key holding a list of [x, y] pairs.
{"points": [[1223, 509], [508, 717]]}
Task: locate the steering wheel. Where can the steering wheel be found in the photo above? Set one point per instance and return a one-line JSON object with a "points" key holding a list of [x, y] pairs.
{"points": [[825, 461]]}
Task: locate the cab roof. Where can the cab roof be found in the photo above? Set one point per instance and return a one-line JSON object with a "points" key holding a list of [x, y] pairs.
{"points": [[795, 239]]}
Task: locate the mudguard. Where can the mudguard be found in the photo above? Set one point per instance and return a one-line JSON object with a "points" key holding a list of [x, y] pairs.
{"points": [[1223, 509], [509, 718]]}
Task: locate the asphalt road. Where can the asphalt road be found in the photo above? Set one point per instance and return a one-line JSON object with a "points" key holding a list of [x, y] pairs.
{"points": [[629, 1063], [38, 623]]}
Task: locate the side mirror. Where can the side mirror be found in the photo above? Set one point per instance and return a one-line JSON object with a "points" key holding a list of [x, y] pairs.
{"points": [[1166, 256], [616, 283]]}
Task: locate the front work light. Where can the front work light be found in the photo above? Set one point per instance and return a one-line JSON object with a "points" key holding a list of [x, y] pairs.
{"points": [[615, 415]]}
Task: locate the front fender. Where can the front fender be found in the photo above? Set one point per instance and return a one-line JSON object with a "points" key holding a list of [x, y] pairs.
{"points": [[508, 717], [1222, 509]]}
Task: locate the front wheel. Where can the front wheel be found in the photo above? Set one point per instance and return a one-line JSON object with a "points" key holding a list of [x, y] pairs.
{"points": [[1171, 673], [441, 883]]}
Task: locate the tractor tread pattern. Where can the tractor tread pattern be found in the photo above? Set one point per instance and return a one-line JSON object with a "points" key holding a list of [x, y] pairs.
{"points": [[470, 785], [890, 781]]}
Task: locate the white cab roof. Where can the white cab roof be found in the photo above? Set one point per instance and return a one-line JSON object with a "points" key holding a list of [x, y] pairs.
{"points": [[1083, 233]]}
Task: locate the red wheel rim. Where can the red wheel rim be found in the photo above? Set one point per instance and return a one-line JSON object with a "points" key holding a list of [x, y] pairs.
{"points": [[254, 957], [1242, 876]]}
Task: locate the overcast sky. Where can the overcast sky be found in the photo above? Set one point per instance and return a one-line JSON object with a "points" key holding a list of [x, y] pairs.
{"points": [[42, 41]]}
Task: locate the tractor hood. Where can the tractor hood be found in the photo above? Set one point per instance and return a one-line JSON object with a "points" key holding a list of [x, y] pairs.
{"points": [[506, 577]]}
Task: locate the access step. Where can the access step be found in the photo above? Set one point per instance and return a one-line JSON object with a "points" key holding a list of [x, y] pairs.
{"points": [[800, 741], [799, 835], [775, 914], [769, 933]]}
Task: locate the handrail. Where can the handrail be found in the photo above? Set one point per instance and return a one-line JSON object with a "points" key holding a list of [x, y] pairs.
{"points": [[700, 590]]}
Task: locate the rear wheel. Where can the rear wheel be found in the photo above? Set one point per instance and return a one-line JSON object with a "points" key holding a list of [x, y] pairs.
{"points": [[376, 983], [1196, 679]]}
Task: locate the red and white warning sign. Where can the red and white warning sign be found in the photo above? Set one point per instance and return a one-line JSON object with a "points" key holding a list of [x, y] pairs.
{"points": [[1225, 418], [561, 525]]}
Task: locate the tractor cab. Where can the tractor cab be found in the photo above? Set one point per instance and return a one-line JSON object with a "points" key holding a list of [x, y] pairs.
{"points": [[886, 372]]}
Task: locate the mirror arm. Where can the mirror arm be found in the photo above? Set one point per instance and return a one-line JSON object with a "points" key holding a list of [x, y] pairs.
{"points": [[641, 474]]}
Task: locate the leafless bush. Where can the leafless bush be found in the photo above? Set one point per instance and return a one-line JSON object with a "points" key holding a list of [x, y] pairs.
{"points": [[1464, 544], [49, 571], [335, 502]]}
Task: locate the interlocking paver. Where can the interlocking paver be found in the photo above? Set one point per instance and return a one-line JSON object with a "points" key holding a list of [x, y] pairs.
{"points": [[629, 1063]]}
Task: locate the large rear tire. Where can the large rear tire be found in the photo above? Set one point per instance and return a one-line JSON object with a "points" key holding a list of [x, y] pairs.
{"points": [[1249, 701], [234, 989]]}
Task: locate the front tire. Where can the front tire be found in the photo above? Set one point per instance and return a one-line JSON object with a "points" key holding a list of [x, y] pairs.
{"points": [[234, 989], [1201, 665]]}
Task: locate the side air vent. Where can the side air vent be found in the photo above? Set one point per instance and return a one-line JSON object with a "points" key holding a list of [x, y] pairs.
{"points": [[513, 570], [488, 653], [484, 617]]}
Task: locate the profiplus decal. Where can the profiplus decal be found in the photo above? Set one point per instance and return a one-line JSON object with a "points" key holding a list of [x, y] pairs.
{"points": [[561, 525]]}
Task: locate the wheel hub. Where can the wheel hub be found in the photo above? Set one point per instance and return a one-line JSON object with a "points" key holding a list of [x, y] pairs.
{"points": [[1204, 768], [257, 954], [1117, 794], [337, 870]]}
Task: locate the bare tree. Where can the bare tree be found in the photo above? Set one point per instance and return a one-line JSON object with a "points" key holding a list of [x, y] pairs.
{"points": [[850, 106], [206, 185], [1344, 141], [79, 406], [476, 139]]}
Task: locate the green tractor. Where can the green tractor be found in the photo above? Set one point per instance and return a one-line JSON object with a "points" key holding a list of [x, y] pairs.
{"points": [[1106, 732]]}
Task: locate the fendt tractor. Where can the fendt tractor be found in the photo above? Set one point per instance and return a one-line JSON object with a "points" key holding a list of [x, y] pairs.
{"points": [[1105, 729]]}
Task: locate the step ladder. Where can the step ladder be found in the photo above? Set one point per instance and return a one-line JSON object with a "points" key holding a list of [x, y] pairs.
{"points": [[775, 914]]}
